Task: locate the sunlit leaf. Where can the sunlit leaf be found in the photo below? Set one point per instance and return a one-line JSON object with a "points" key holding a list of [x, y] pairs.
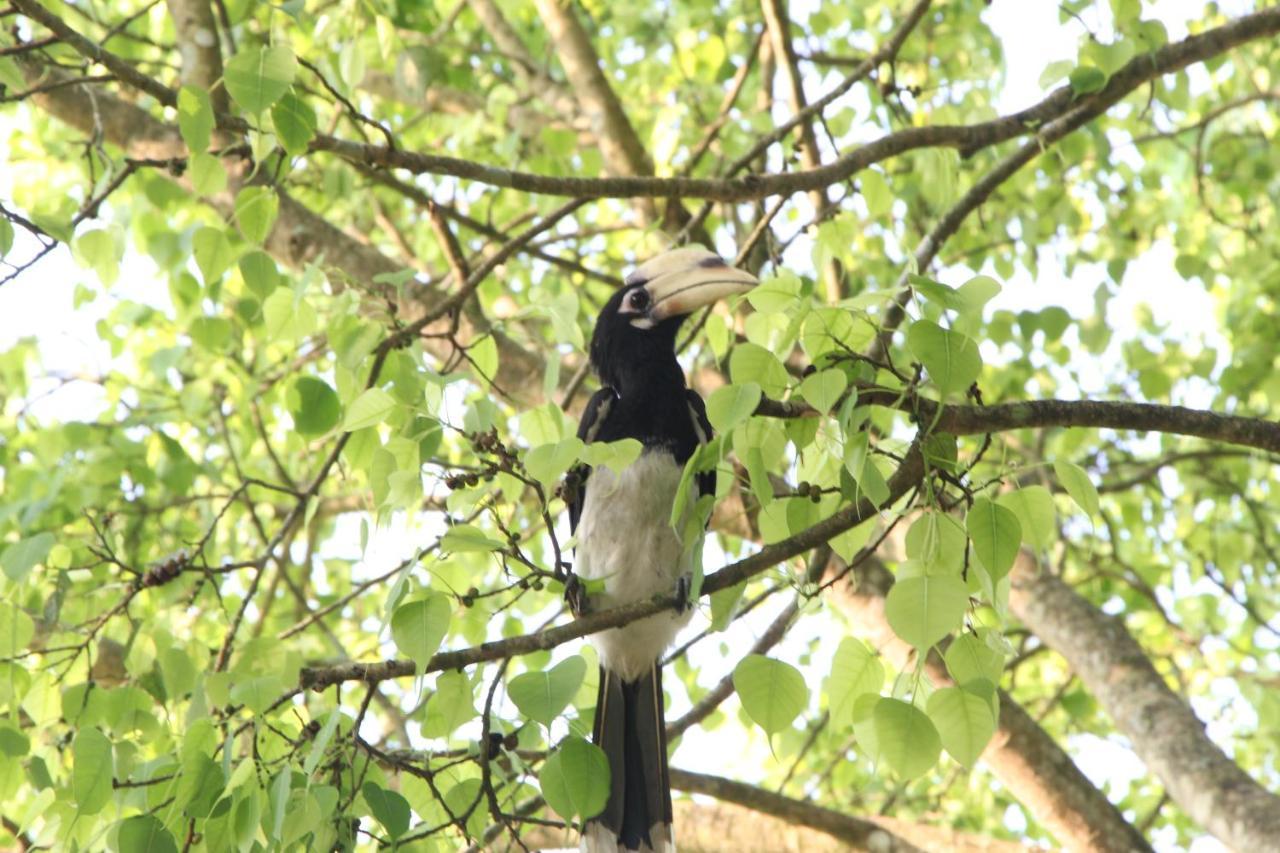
{"points": [[92, 766], [419, 627], [773, 692], [924, 609], [542, 696], [964, 723], [257, 77], [996, 535], [906, 739], [575, 779]]}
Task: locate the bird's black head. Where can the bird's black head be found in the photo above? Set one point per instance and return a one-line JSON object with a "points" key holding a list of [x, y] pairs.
{"points": [[636, 330]]}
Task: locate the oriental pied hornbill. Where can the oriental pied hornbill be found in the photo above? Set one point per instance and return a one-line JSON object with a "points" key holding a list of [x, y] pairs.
{"points": [[623, 526]]}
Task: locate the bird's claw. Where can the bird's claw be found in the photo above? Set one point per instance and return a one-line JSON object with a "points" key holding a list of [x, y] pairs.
{"points": [[684, 590], [575, 595]]}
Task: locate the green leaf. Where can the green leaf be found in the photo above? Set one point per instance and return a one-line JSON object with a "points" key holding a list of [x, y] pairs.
{"points": [[924, 609], [855, 672], [419, 627], [451, 705], [730, 405], [773, 693], [547, 463], [937, 541], [208, 175], [1085, 80], [259, 272], [975, 293], [13, 743], [724, 605], [1034, 507], [389, 808], [1077, 483], [614, 455], [465, 538], [542, 696], [832, 330], [575, 779], [92, 769], [906, 739], [321, 742], [257, 78], [776, 293], [195, 118], [964, 722], [24, 555], [315, 406], [823, 389], [145, 833], [875, 190], [256, 209], [17, 629], [279, 794], [258, 693], [213, 253], [753, 363], [970, 658], [1055, 71], [211, 333], [199, 786], [295, 123], [6, 236], [484, 358], [288, 316], [98, 249], [369, 409], [996, 534], [951, 358]]}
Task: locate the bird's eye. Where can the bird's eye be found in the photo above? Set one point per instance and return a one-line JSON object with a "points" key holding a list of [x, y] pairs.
{"points": [[638, 300]]}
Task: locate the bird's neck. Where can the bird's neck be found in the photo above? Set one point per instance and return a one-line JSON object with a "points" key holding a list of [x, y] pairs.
{"points": [[644, 376]]}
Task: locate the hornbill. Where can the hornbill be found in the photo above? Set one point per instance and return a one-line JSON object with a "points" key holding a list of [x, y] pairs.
{"points": [[625, 539]]}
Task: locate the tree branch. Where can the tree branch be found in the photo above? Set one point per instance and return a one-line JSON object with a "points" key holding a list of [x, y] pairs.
{"points": [[1100, 414], [1211, 788], [859, 834], [968, 138], [902, 481]]}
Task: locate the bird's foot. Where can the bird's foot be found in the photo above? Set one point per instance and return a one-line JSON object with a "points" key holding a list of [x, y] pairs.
{"points": [[684, 597], [575, 595]]}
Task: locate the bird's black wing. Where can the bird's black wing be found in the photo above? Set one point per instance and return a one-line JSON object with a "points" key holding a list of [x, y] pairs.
{"points": [[706, 479], [592, 419]]}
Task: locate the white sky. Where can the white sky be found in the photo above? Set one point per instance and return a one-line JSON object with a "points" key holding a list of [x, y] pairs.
{"points": [[40, 304]]}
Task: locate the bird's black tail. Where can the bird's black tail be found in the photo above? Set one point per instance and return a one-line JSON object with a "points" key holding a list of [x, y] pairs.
{"points": [[631, 730]]}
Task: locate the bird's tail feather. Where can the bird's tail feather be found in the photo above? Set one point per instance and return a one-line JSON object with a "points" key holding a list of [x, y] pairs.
{"points": [[631, 730]]}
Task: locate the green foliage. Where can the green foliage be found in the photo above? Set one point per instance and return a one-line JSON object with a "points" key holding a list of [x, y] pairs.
{"points": [[258, 77], [905, 738], [419, 626], [219, 467], [575, 779], [542, 696], [996, 535], [773, 692], [924, 609]]}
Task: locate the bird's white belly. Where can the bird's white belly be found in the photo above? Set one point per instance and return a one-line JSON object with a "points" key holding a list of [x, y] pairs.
{"points": [[625, 538]]}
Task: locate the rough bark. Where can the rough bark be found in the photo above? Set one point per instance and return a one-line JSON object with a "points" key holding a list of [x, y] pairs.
{"points": [[197, 34], [1258, 433], [1021, 754], [1211, 788], [858, 833]]}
